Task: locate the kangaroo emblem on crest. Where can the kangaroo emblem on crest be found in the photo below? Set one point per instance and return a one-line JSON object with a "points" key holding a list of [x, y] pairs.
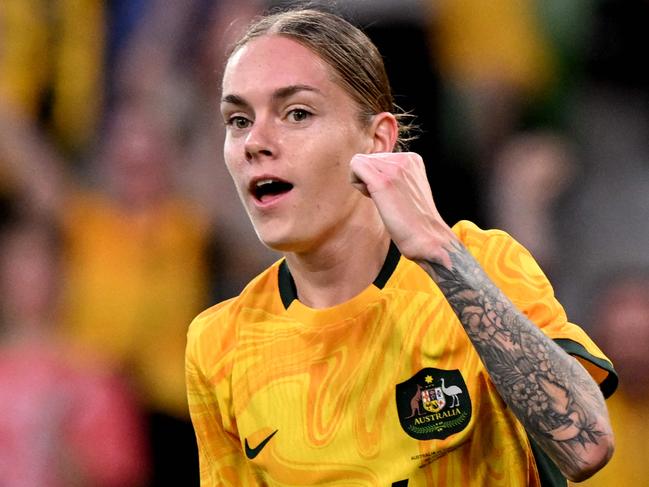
{"points": [[414, 403]]}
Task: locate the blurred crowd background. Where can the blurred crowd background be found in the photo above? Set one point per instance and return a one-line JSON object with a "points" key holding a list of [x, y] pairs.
{"points": [[119, 223]]}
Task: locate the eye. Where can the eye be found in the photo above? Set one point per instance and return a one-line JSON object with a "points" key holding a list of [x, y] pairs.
{"points": [[238, 122], [298, 115]]}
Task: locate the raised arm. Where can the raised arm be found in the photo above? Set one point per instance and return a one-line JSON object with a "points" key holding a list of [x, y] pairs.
{"points": [[31, 162], [553, 396]]}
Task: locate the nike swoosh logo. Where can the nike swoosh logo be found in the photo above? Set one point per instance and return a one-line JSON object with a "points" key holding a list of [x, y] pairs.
{"points": [[253, 452]]}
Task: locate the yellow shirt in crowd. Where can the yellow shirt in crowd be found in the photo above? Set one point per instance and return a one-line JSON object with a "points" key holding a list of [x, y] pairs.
{"points": [[133, 285]]}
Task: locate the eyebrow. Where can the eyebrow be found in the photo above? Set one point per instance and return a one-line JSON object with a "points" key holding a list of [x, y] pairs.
{"points": [[278, 95]]}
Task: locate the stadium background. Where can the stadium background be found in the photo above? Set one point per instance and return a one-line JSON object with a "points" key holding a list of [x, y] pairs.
{"points": [[533, 117]]}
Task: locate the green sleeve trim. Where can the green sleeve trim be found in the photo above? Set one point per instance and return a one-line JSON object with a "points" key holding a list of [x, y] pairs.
{"points": [[389, 266], [287, 290], [609, 384], [549, 473]]}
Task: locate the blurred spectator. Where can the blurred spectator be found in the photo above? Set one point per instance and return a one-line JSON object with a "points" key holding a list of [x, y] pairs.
{"points": [[574, 185], [136, 268], [51, 66], [495, 59], [528, 177], [603, 217], [605, 213], [64, 419], [180, 57], [505, 67], [620, 316]]}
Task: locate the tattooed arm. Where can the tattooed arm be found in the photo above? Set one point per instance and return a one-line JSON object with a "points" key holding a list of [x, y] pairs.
{"points": [[553, 396]]}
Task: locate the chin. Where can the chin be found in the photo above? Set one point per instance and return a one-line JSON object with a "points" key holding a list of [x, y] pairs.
{"points": [[282, 242], [274, 240], [280, 245]]}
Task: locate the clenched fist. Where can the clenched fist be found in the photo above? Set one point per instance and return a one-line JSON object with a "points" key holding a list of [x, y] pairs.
{"points": [[397, 183]]}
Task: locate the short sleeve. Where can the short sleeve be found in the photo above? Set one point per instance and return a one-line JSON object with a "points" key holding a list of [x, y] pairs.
{"points": [[518, 275]]}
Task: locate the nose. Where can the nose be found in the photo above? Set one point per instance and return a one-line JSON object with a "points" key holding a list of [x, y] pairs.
{"points": [[260, 140]]}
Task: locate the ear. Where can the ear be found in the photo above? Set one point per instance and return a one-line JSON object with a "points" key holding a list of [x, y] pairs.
{"points": [[384, 131]]}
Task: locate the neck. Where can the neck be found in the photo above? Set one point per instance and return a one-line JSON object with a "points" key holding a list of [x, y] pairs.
{"points": [[341, 268]]}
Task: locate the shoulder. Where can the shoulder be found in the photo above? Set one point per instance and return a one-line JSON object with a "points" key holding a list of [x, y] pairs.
{"points": [[496, 250], [218, 325], [484, 245], [510, 266], [475, 238]]}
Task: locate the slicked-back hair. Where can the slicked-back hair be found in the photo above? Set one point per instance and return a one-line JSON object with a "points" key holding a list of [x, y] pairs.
{"points": [[356, 63]]}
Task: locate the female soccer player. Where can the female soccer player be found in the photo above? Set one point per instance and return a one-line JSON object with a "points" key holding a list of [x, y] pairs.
{"points": [[384, 348]]}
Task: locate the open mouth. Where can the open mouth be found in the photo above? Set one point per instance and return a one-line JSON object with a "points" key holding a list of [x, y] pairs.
{"points": [[265, 189]]}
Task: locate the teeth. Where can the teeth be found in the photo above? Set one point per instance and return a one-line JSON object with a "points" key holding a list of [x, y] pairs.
{"points": [[264, 182]]}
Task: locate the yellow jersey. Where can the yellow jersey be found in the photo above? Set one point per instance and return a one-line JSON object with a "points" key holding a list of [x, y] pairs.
{"points": [[382, 390], [133, 282]]}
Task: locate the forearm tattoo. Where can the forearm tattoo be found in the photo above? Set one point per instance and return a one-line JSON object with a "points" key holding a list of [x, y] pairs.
{"points": [[550, 393]]}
